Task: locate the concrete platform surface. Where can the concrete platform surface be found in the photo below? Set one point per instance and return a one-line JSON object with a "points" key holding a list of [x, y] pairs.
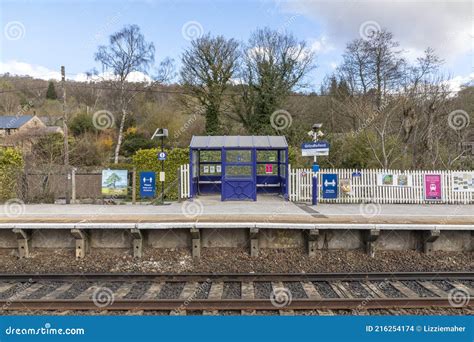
{"points": [[265, 210]]}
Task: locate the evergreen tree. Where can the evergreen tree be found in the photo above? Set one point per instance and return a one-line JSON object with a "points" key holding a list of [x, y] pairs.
{"points": [[51, 93]]}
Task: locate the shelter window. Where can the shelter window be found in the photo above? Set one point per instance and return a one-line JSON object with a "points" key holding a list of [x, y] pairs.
{"points": [[210, 163], [238, 156], [238, 171]]}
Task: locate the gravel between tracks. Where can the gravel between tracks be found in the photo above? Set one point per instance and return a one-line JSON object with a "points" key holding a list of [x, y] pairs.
{"points": [[232, 290], [220, 260], [296, 289], [424, 311], [171, 290], [262, 289]]}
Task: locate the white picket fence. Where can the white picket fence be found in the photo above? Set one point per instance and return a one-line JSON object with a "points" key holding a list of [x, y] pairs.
{"points": [[184, 187], [364, 188]]}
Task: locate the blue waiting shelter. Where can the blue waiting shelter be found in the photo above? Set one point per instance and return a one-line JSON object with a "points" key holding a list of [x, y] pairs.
{"points": [[238, 167]]}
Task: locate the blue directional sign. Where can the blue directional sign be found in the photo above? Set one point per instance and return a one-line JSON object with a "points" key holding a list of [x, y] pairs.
{"points": [[330, 185], [317, 148], [147, 184], [162, 155]]}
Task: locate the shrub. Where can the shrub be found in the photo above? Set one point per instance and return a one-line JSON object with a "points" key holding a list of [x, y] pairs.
{"points": [[147, 160], [82, 123], [11, 164], [135, 141]]}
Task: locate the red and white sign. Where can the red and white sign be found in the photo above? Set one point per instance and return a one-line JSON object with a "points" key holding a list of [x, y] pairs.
{"points": [[433, 187], [269, 168]]}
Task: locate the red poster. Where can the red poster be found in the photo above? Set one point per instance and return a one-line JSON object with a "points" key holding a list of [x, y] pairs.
{"points": [[433, 187], [269, 168]]}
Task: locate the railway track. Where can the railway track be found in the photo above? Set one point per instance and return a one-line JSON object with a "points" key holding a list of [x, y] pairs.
{"points": [[181, 293]]}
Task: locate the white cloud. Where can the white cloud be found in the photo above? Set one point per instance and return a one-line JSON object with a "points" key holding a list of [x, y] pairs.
{"points": [[320, 45], [23, 69], [445, 26], [37, 71], [455, 83]]}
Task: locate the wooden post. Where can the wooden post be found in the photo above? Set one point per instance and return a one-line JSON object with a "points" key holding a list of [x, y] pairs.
{"points": [[134, 186], [179, 184], [73, 184], [65, 133]]}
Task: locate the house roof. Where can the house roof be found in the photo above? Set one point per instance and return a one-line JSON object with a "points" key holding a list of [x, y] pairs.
{"points": [[14, 121], [249, 141]]}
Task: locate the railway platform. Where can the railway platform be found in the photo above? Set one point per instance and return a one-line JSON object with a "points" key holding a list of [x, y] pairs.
{"points": [[208, 209]]}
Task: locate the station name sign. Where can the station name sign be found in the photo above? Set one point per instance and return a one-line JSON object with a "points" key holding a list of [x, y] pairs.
{"points": [[317, 148]]}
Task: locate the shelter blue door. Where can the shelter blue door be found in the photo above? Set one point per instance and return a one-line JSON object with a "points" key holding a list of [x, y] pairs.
{"points": [[238, 176]]}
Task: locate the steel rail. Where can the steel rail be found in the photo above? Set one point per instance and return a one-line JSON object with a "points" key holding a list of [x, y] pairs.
{"points": [[179, 277], [228, 304]]}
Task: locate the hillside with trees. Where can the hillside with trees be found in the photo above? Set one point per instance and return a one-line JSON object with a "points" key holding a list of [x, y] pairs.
{"points": [[378, 109]]}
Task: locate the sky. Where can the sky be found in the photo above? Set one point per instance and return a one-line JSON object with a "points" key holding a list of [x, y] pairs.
{"points": [[40, 36]]}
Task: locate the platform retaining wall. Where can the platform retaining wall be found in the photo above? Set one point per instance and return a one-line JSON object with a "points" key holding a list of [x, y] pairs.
{"points": [[224, 238]]}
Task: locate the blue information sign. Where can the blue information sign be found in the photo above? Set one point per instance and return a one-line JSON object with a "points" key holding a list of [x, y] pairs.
{"points": [[162, 155], [147, 184], [315, 144], [329, 185]]}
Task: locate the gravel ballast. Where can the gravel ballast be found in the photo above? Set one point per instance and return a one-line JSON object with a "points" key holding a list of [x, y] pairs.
{"points": [[236, 260]]}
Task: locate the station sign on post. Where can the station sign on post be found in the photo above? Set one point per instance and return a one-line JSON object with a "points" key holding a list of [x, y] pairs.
{"points": [[162, 156], [330, 185], [317, 148], [147, 184]]}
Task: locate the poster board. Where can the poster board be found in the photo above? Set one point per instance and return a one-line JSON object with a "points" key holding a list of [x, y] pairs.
{"points": [[345, 186], [114, 182], [463, 181], [432, 187], [392, 179]]}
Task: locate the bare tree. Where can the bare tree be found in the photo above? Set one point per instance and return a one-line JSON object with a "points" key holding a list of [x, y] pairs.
{"points": [[274, 64], [208, 67], [127, 52], [166, 71], [373, 66]]}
